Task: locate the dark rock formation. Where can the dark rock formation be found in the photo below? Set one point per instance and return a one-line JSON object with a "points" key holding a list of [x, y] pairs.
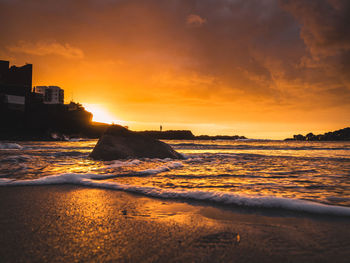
{"points": [[339, 135], [169, 135], [186, 135], [120, 143], [40, 121], [219, 137]]}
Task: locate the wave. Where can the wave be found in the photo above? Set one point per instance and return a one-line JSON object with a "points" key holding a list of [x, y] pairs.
{"points": [[135, 162], [78, 139], [67, 153], [10, 146], [117, 163], [161, 169], [96, 180]]}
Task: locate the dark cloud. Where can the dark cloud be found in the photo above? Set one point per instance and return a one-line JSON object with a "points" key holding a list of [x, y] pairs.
{"points": [[325, 29], [281, 52], [325, 24]]}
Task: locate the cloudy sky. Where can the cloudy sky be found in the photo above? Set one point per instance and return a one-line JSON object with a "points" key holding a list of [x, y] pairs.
{"points": [[259, 68]]}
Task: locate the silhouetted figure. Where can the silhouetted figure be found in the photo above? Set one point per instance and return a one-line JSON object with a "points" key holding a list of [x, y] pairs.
{"points": [[161, 128]]}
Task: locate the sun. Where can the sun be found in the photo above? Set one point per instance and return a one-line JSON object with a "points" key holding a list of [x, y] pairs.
{"points": [[100, 114]]}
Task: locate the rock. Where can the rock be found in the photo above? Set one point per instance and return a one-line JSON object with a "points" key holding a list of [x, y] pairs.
{"points": [[339, 135], [120, 143]]}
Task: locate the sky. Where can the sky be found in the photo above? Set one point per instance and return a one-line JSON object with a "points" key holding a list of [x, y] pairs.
{"points": [[258, 68]]}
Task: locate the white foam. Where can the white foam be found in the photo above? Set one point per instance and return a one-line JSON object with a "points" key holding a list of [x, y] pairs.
{"points": [[195, 160], [217, 197], [4, 181], [47, 180], [174, 165], [10, 146], [117, 164], [77, 139], [161, 169], [157, 170], [54, 136]]}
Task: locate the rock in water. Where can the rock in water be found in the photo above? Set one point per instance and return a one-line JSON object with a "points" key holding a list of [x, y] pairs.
{"points": [[120, 143]]}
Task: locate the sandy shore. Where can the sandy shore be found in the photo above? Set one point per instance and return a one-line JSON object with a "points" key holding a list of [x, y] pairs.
{"points": [[75, 224]]}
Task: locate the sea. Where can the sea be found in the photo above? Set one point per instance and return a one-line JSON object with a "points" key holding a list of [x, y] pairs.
{"points": [[296, 176]]}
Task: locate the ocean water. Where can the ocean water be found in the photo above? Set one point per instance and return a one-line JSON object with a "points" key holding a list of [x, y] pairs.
{"points": [[312, 177]]}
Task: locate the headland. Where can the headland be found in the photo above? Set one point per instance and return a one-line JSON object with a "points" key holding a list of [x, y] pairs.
{"points": [[339, 135], [39, 113]]}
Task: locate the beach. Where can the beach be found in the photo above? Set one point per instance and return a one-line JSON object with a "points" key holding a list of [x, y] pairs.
{"points": [[69, 223], [226, 201], [175, 131]]}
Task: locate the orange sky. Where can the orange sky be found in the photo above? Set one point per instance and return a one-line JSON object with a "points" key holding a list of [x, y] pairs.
{"points": [[259, 68]]}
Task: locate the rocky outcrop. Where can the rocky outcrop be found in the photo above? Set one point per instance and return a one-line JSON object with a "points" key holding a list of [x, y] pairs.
{"points": [[339, 135], [170, 135], [120, 143]]}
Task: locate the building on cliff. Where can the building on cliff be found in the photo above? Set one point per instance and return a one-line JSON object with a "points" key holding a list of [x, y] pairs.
{"points": [[51, 94], [27, 113], [15, 85]]}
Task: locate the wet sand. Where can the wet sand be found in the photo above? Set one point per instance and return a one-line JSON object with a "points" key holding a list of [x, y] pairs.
{"points": [[75, 224]]}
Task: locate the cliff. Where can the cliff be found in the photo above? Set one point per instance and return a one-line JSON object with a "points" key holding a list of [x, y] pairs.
{"points": [[41, 121]]}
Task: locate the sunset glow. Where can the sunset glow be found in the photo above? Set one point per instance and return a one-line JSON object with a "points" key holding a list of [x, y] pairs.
{"points": [[222, 63], [175, 131], [101, 115]]}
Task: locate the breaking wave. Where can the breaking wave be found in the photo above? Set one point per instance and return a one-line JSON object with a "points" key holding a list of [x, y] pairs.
{"points": [[96, 180], [214, 176]]}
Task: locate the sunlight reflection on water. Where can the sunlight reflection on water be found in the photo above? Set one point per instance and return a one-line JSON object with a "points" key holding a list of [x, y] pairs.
{"points": [[303, 170]]}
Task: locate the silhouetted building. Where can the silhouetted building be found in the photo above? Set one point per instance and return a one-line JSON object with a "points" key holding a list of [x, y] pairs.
{"points": [[15, 85], [16, 76], [72, 106], [14, 102], [36, 114], [4, 68], [52, 94]]}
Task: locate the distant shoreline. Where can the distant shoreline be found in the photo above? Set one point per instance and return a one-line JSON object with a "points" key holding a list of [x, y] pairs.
{"points": [[94, 130], [186, 135], [339, 135]]}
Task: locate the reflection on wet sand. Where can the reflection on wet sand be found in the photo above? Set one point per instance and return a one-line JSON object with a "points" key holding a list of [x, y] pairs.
{"points": [[69, 223]]}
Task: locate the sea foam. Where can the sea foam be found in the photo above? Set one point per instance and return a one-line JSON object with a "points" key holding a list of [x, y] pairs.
{"points": [[96, 180], [161, 169], [118, 163], [10, 146]]}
